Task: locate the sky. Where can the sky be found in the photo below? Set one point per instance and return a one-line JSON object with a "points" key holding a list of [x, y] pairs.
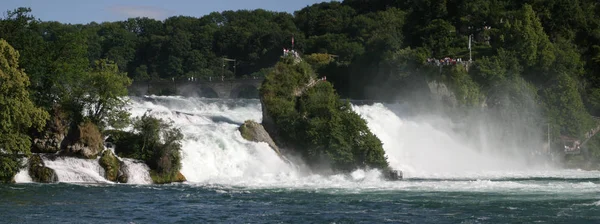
{"points": [[86, 11]]}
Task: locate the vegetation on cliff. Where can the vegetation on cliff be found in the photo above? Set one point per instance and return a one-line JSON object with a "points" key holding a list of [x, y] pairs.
{"points": [[314, 122], [17, 114]]}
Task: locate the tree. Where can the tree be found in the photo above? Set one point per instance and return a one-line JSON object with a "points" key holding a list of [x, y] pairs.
{"points": [[106, 89], [17, 113]]}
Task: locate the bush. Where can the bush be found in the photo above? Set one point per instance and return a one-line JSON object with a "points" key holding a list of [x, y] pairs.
{"points": [[155, 142]]}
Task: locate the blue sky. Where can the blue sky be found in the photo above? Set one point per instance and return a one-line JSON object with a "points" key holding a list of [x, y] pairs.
{"points": [[85, 11]]}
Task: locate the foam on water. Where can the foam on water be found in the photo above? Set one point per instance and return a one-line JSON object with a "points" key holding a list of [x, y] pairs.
{"points": [[74, 170]]}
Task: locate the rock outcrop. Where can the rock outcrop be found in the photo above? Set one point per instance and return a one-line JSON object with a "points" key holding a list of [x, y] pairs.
{"points": [[441, 93], [165, 179], [111, 165], [49, 141], [123, 177], [307, 117], [253, 131], [39, 172], [84, 141]]}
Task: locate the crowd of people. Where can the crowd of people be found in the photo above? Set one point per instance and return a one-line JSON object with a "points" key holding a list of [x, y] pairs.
{"points": [[445, 61]]}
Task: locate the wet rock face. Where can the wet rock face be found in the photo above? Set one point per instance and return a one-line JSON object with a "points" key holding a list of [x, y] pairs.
{"points": [[49, 143], [111, 165], [84, 141], [50, 140], [253, 131], [39, 172]]}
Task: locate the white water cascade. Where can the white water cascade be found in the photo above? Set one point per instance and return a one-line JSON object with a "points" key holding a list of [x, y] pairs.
{"points": [[213, 149], [74, 170], [215, 154], [429, 148], [136, 171]]}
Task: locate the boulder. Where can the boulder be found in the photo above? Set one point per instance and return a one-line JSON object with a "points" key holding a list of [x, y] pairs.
{"points": [[122, 176], [84, 141], [393, 175], [49, 143], [253, 131], [39, 172], [158, 178], [180, 178], [49, 140], [111, 165]]}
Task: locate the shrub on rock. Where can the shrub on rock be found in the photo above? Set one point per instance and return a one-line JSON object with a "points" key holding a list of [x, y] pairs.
{"points": [[111, 165]]}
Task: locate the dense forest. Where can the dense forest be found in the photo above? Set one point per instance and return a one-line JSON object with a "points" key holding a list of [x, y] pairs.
{"points": [[548, 51]]}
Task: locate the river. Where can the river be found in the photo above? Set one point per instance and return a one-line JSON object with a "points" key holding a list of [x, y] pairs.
{"points": [[450, 177]]}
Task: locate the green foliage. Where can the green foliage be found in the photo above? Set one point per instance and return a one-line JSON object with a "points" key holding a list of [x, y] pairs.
{"points": [[17, 113], [154, 141], [565, 108], [106, 89], [466, 90], [318, 60], [321, 126], [526, 36], [439, 36]]}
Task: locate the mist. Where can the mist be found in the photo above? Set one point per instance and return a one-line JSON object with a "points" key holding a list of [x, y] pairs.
{"points": [[427, 137]]}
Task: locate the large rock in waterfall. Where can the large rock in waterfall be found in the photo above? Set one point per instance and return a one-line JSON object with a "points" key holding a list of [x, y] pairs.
{"points": [[39, 172], [83, 141], [304, 114], [253, 131], [111, 165]]}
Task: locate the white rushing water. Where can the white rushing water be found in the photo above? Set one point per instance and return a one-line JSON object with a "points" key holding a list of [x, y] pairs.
{"points": [[136, 171], [74, 170], [431, 156], [428, 148], [214, 153]]}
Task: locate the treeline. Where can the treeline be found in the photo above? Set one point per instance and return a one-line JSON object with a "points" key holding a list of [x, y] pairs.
{"points": [[547, 51]]}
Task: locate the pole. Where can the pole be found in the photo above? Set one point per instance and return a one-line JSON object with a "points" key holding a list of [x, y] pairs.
{"points": [[470, 58]]}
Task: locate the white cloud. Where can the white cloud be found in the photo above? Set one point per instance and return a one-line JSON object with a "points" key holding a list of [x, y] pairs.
{"points": [[140, 11]]}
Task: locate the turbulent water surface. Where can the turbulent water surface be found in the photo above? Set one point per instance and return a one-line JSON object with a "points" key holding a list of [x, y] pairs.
{"points": [[449, 179]]}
